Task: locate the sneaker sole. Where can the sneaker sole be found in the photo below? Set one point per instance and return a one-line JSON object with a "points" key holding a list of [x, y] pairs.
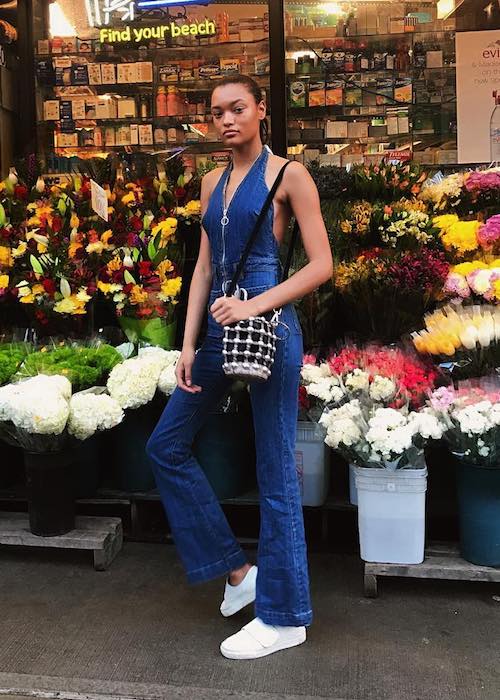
{"points": [[279, 646], [239, 606]]}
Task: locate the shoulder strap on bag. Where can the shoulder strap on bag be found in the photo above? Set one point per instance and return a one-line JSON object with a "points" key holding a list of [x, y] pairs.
{"points": [[256, 229]]}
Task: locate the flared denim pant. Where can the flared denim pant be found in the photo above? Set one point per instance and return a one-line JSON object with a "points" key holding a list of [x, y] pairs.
{"points": [[204, 540]]}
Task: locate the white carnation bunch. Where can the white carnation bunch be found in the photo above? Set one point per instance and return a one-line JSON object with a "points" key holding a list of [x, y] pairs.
{"points": [[382, 388], [90, 412], [326, 389], [343, 425], [312, 374], [357, 380], [475, 419]]}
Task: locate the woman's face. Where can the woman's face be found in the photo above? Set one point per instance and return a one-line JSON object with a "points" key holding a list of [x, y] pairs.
{"points": [[236, 115]]}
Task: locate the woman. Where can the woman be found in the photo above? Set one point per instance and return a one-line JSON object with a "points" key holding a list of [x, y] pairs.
{"points": [[231, 200]]}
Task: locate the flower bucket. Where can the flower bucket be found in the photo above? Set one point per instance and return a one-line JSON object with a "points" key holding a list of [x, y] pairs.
{"points": [[152, 331], [391, 514], [125, 448], [353, 491], [313, 463], [51, 501], [225, 447], [87, 467], [479, 511]]}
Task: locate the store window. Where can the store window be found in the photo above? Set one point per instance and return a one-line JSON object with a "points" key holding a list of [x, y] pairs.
{"points": [[371, 79], [136, 75]]}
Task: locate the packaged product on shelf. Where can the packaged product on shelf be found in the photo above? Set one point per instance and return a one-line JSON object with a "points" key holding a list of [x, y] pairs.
{"points": [[123, 136], [78, 108], [298, 93], [229, 66], [392, 125], [69, 45], [396, 25], [106, 108], [357, 130], [317, 94], [146, 134], [186, 70], [385, 91], [376, 129], [262, 64], [144, 72], [94, 71], [84, 45], [51, 110], [160, 135], [126, 73], [90, 107], [127, 108], [210, 69], [168, 73], [57, 44], [336, 129], [98, 136], [66, 140], [62, 67], [403, 123], [434, 59], [134, 134], [338, 59], [65, 109], [403, 90], [45, 73], [43, 46], [86, 137], [327, 53], [108, 73], [110, 136], [79, 74], [334, 92], [221, 158], [353, 96]]}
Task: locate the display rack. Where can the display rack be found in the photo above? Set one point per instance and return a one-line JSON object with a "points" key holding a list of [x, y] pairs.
{"points": [[96, 97], [380, 82]]}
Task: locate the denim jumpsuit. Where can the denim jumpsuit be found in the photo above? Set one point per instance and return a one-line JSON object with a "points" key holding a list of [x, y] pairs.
{"points": [[204, 540]]}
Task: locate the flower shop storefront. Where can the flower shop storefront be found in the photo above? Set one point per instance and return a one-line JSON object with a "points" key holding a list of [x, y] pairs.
{"points": [[399, 404]]}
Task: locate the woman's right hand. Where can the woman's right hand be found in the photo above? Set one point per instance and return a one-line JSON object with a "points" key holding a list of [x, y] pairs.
{"points": [[183, 371]]}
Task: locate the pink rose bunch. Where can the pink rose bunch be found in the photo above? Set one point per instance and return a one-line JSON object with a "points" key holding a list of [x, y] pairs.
{"points": [[489, 233], [481, 180]]}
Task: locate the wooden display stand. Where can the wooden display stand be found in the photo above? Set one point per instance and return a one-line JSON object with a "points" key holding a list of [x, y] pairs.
{"points": [[441, 562], [104, 536]]}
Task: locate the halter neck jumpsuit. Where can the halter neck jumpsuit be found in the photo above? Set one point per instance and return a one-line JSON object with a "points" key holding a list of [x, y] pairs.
{"points": [[204, 540]]}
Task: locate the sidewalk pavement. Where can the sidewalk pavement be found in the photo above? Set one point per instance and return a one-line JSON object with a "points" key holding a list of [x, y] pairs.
{"points": [[139, 630]]}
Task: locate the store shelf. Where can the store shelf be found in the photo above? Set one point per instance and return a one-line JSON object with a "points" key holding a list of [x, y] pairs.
{"points": [[338, 73], [195, 85]]}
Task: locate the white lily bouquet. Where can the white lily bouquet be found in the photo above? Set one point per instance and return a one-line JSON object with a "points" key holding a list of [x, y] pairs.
{"points": [[133, 383], [470, 416], [373, 436], [41, 414]]}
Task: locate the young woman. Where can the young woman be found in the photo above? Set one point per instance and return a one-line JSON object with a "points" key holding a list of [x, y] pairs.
{"points": [[231, 201]]}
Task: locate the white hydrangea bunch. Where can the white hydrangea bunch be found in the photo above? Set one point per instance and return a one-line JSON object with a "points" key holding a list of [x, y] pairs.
{"points": [[38, 405], [133, 382], [168, 381], [89, 412]]}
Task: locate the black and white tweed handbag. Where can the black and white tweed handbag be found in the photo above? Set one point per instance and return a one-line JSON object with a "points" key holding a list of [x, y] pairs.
{"points": [[249, 346]]}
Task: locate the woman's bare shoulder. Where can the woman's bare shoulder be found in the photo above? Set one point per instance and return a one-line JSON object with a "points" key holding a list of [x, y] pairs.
{"points": [[210, 180]]}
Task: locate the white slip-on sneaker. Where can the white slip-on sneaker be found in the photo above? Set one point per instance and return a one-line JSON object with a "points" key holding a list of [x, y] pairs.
{"points": [[237, 597], [258, 639]]}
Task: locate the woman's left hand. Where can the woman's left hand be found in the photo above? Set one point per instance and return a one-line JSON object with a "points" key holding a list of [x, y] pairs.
{"points": [[227, 310]]}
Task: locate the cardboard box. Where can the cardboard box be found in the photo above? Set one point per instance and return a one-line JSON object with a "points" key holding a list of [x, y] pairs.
{"points": [[403, 124], [106, 108], [108, 73], [357, 130], [127, 108], [43, 46], [134, 134], [90, 107], [434, 59], [79, 109], [336, 130], [123, 136], [51, 110], [110, 136], [146, 134], [67, 140], [94, 71], [144, 72], [126, 73]]}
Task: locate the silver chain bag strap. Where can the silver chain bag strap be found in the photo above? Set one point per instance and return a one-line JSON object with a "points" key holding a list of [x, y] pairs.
{"points": [[249, 346]]}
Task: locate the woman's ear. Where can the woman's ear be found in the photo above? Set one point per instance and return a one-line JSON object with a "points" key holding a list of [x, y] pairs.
{"points": [[262, 110]]}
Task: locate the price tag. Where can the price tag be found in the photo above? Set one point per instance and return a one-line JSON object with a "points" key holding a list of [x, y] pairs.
{"points": [[99, 200]]}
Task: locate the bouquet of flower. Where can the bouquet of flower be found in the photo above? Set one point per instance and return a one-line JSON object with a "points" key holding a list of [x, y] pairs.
{"points": [[380, 437], [407, 227], [387, 182], [489, 235], [460, 238], [470, 416], [134, 382], [41, 415], [444, 192], [477, 279], [465, 338], [386, 292]]}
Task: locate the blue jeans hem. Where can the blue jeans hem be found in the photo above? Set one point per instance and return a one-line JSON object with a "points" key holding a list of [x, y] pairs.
{"points": [[284, 619], [218, 568]]}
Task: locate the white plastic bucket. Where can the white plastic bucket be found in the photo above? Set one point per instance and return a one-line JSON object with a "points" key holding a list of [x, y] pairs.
{"points": [[391, 514], [353, 491], [312, 460]]}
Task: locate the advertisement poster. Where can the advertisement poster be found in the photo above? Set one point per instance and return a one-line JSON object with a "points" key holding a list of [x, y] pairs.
{"points": [[478, 105]]}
